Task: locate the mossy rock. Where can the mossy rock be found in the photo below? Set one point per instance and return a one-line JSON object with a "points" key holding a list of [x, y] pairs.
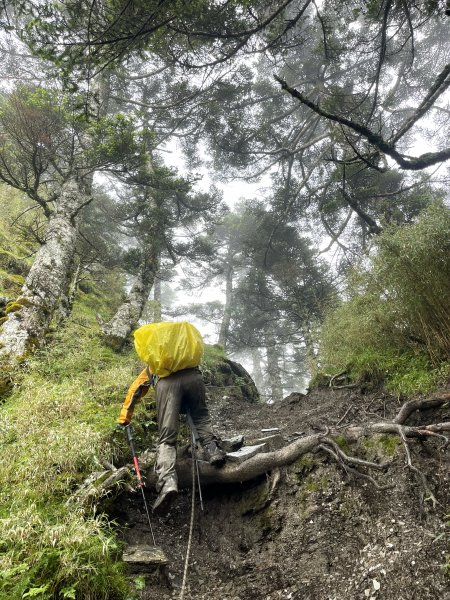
{"points": [[230, 378], [226, 377]]}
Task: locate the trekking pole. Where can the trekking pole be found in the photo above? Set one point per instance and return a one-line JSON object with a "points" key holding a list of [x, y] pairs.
{"points": [[141, 483], [194, 455]]}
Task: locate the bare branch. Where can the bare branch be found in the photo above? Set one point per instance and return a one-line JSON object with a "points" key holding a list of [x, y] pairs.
{"points": [[373, 225], [406, 162], [440, 85]]}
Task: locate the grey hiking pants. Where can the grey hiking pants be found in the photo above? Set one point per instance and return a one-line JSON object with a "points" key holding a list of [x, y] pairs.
{"points": [[181, 392]]}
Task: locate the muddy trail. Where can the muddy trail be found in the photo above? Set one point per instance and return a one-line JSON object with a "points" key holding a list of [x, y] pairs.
{"points": [[313, 529]]}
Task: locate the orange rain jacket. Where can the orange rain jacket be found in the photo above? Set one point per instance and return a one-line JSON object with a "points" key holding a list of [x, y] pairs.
{"points": [[136, 392]]}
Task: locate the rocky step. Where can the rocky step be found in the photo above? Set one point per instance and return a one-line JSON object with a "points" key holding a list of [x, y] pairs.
{"points": [[246, 452], [143, 558]]}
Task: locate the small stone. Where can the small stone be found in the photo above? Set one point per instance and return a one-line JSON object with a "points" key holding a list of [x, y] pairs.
{"points": [[376, 584], [367, 592]]}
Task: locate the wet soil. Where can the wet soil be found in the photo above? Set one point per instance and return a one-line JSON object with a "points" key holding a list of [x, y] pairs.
{"points": [[319, 533]]}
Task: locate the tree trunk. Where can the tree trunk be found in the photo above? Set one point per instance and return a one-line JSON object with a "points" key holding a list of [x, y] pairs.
{"points": [[311, 352], [68, 295], [257, 373], [157, 317], [127, 316], [273, 371], [226, 319], [30, 316]]}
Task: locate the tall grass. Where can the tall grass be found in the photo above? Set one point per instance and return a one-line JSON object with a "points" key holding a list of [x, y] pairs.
{"points": [[55, 428], [395, 324]]}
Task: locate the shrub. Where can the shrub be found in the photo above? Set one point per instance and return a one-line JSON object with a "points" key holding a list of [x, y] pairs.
{"points": [[395, 324]]}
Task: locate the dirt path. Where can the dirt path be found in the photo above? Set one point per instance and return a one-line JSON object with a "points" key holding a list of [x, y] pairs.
{"points": [[320, 535]]}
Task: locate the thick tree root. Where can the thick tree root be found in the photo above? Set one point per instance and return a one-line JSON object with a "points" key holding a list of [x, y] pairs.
{"points": [[113, 480]]}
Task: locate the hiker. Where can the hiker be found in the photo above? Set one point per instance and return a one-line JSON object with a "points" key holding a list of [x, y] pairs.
{"points": [[178, 392]]}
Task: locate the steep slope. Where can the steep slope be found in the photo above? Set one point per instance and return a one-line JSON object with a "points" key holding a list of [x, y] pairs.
{"points": [[311, 530]]}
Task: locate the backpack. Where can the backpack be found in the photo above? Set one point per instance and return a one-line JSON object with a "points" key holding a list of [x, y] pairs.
{"points": [[169, 347]]}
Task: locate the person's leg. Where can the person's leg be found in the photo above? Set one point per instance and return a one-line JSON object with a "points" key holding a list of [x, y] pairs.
{"points": [[168, 403], [194, 398]]}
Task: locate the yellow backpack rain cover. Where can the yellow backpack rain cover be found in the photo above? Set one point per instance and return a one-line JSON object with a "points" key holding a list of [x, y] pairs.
{"points": [[169, 347]]}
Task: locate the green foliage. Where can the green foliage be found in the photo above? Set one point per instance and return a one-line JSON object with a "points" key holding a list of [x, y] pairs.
{"points": [[56, 427], [112, 141], [46, 136], [395, 325], [36, 132], [139, 583]]}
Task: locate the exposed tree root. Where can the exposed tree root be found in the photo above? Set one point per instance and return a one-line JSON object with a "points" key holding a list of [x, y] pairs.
{"points": [[351, 470], [409, 407], [409, 464], [113, 480]]}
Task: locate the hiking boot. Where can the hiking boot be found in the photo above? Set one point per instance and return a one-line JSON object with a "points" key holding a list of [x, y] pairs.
{"points": [[166, 497], [214, 454]]}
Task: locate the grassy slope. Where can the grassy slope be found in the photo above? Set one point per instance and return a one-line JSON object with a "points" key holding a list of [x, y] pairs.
{"points": [[394, 326], [55, 428]]}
